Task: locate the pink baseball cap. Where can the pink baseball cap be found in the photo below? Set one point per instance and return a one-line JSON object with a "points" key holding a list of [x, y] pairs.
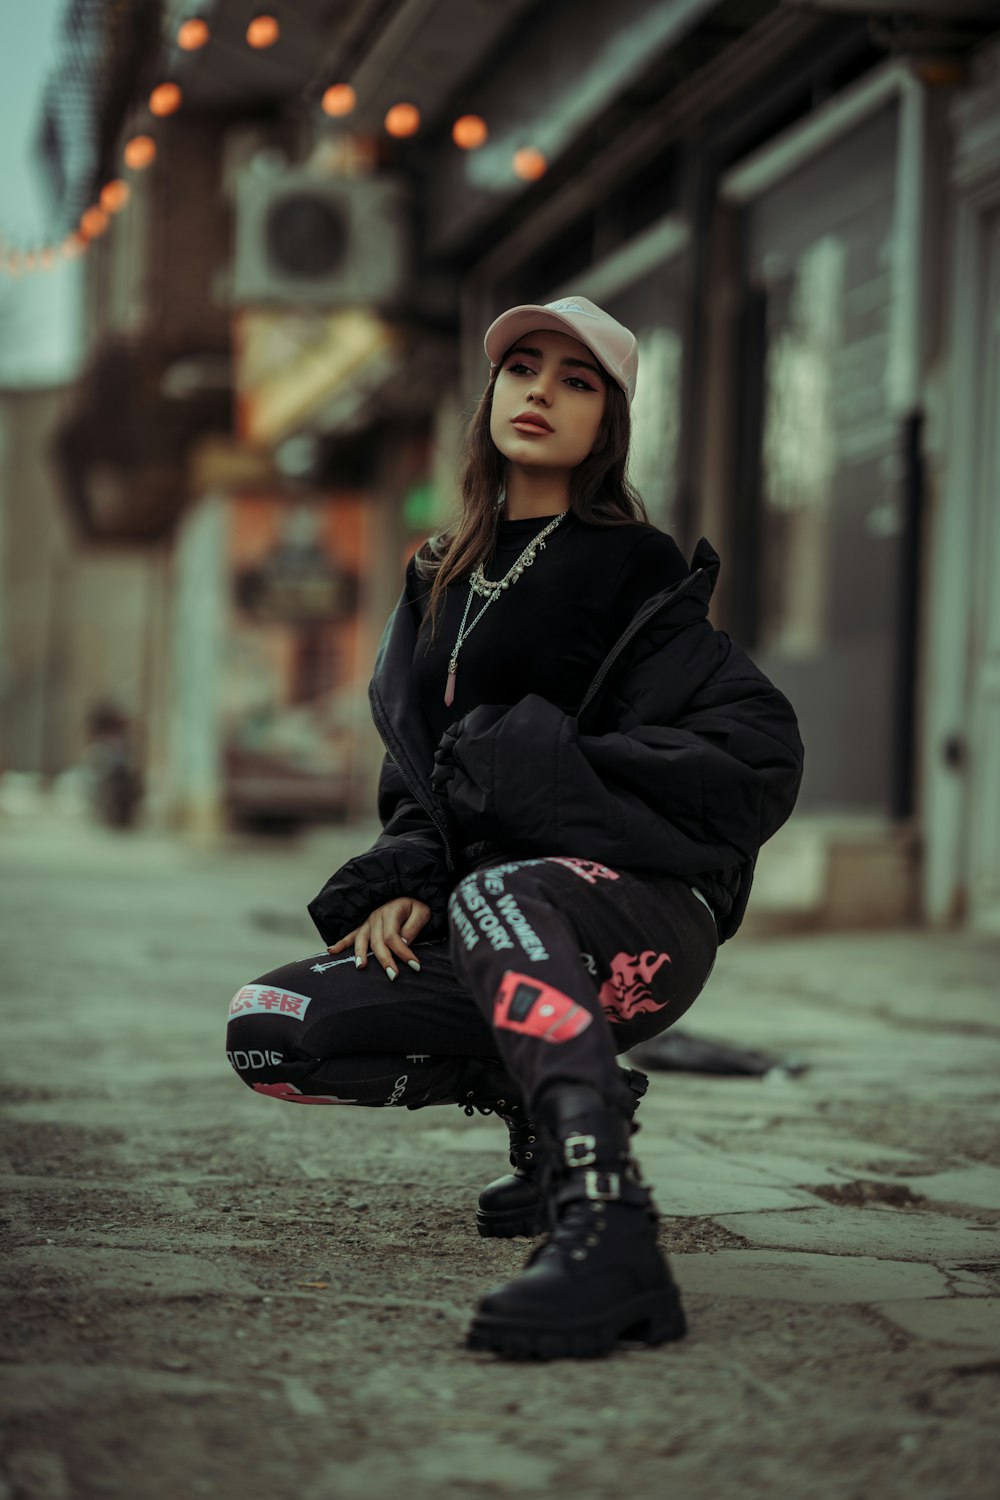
{"points": [[612, 344]]}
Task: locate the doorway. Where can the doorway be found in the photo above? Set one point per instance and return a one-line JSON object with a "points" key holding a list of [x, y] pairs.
{"points": [[983, 809]]}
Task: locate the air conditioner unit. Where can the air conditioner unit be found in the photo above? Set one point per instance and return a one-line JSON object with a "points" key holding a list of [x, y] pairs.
{"points": [[305, 239]]}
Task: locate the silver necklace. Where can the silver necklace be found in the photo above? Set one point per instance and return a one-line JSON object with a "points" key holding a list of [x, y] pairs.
{"points": [[490, 589]]}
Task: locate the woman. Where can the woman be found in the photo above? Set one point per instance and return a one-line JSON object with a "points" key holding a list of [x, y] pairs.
{"points": [[580, 771]]}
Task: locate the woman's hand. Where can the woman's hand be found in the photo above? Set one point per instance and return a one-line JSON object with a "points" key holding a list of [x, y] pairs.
{"points": [[388, 932]]}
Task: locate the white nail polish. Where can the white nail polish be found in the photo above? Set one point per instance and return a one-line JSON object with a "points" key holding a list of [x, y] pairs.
{"points": [[413, 964], [391, 973], [357, 962]]}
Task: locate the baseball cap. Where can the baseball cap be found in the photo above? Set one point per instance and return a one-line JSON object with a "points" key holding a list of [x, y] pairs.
{"points": [[612, 344]]}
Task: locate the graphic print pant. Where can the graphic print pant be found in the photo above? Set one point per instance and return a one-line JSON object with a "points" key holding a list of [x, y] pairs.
{"points": [[554, 966]]}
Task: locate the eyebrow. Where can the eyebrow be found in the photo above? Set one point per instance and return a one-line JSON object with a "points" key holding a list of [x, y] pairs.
{"points": [[579, 364]]}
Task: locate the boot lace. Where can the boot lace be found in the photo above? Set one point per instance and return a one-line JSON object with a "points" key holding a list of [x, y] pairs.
{"points": [[505, 1108], [523, 1137]]}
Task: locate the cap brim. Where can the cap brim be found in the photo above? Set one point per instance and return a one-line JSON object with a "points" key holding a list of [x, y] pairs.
{"points": [[517, 321]]}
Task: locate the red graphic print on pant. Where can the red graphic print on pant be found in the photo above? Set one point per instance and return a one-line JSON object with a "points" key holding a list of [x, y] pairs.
{"points": [[587, 869], [626, 993], [296, 1096], [533, 1008]]}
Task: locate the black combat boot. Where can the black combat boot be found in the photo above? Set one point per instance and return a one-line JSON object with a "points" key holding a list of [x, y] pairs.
{"points": [[513, 1205], [599, 1276]]}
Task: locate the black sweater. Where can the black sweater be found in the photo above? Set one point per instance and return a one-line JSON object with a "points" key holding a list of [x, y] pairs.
{"points": [[548, 632], [683, 760]]}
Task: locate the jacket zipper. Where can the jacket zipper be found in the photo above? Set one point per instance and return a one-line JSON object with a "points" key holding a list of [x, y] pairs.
{"points": [[427, 804], [639, 623]]}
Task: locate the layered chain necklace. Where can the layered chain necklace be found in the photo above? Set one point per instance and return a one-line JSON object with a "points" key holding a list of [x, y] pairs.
{"points": [[490, 590]]}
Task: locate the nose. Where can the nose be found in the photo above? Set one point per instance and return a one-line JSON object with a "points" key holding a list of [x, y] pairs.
{"points": [[538, 390]]}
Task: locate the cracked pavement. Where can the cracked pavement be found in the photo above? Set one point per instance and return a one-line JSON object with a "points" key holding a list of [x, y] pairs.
{"points": [[211, 1293]]}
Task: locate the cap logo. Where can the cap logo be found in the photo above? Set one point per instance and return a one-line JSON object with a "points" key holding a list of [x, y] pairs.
{"points": [[573, 307]]}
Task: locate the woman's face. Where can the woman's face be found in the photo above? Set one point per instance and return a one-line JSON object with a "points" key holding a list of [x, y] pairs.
{"points": [[555, 377]]}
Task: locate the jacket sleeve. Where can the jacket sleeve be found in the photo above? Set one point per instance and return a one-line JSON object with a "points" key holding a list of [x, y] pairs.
{"points": [[701, 793], [407, 859]]}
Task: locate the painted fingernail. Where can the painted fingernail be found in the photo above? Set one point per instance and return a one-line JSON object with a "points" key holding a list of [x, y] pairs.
{"points": [[357, 961], [391, 973], [413, 964]]}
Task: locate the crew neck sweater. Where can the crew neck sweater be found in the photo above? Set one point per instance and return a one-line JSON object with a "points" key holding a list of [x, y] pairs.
{"points": [[549, 631]]}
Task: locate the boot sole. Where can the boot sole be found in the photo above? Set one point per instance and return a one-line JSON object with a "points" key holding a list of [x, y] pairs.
{"points": [[514, 1224], [655, 1318]]}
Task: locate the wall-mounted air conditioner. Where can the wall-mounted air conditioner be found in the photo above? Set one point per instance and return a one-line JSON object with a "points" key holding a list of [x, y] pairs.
{"points": [[307, 239]]}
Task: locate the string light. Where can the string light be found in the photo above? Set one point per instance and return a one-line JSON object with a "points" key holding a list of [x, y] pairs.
{"points": [[403, 120], [263, 31], [529, 164], [115, 195], [93, 222], [339, 99], [193, 34], [469, 132], [140, 152], [165, 100]]}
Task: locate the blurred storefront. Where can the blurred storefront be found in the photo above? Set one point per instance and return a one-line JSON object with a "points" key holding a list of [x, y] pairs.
{"points": [[266, 646], [793, 320], [792, 202], [960, 684]]}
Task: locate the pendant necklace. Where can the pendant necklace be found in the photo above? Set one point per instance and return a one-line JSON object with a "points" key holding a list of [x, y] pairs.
{"points": [[490, 590]]}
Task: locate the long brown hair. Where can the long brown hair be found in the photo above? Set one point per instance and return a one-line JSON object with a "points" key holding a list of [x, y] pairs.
{"points": [[599, 492]]}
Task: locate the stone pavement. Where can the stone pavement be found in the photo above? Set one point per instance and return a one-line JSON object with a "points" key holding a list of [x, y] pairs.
{"points": [[210, 1293]]}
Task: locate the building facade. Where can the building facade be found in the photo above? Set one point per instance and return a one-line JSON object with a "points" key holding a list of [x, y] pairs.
{"points": [[794, 205]]}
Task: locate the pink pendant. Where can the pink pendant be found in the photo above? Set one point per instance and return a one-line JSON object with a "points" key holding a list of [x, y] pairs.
{"points": [[449, 692]]}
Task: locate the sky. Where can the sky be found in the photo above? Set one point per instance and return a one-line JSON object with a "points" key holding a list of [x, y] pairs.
{"points": [[39, 313]]}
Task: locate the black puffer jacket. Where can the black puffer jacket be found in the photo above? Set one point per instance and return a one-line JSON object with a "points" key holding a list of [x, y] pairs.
{"points": [[683, 759]]}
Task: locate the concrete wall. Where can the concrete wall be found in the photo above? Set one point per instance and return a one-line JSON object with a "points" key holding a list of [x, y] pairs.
{"points": [[77, 623], [35, 581]]}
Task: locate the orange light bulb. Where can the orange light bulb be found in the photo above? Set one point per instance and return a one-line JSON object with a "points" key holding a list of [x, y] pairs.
{"points": [[165, 100], [469, 132], [115, 195], [140, 152], [193, 33], [262, 32], [529, 164], [93, 222], [339, 99], [403, 120]]}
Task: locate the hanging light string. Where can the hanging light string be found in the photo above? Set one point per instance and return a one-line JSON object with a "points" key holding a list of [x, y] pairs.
{"points": [[337, 100]]}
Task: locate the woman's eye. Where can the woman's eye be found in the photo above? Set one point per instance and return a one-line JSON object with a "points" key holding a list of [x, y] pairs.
{"points": [[517, 365]]}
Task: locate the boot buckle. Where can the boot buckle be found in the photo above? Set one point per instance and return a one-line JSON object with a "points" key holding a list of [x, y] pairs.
{"points": [[579, 1150], [593, 1185]]}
